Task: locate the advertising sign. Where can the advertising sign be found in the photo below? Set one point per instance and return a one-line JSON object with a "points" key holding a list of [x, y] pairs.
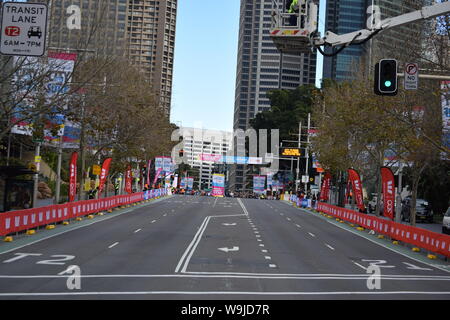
{"points": [[218, 185], [259, 184]]}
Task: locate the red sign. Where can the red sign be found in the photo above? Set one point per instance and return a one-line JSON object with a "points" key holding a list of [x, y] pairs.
{"points": [[73, 177], [325, 187], [357, 188], [128, 187], [12, 31], [388, 186], [104, 174]]}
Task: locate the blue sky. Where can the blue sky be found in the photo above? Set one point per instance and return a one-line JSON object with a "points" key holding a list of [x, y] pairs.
{"points": [[205, 63]]}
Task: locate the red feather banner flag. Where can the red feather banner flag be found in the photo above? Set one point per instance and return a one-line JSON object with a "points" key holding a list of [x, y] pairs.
{"points": [[104, 174], [388, 187], [128, 187], [73, 176], [324, 192], [357, 188]]}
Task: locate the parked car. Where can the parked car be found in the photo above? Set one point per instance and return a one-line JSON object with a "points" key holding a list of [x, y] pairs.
{"points": [[423, 210], [446, 222]]}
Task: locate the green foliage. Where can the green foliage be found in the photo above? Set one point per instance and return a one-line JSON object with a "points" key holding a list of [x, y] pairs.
{"points": [[288, 108]]}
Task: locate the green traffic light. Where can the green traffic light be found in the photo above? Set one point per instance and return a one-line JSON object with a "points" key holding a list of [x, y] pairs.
{"points": [[387, 83]]}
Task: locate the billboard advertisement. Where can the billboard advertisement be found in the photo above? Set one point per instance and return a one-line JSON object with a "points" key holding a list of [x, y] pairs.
{"points": [[218, 185]]}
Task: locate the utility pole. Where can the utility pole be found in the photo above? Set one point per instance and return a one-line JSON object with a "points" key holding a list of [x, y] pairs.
{"points": [[36, 175], [307, 151], [298, 159], [58, 172]]}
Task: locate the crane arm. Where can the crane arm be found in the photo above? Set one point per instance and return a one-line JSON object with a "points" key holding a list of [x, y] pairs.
{"points": [[357, 37]]}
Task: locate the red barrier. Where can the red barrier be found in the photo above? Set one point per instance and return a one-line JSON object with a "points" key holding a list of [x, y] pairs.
{"points": [[428, 240], [19, 220]]}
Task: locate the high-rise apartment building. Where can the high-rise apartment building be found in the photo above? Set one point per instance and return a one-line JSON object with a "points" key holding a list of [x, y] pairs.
{"points": [[261, 68], [101, 30], [151, 43], [143, 31]]}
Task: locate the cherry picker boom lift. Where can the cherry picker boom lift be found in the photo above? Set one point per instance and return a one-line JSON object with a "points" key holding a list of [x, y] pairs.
{"points": [[303, 35]]}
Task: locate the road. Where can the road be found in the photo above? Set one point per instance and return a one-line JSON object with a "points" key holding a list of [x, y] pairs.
{"points": [[189, 247]]}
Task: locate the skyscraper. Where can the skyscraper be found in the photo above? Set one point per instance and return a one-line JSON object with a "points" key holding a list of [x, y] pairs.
{"points": [[345, 16], [261, 68], [143, 31], [151, 43]]}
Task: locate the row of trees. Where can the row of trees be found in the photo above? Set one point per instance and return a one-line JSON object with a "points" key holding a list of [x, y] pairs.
{"points": [[112, 103], [358, 129]]}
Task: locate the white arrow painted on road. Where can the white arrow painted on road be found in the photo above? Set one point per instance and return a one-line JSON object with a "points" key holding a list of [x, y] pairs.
{"points": [[229, 224], [229, 249]]}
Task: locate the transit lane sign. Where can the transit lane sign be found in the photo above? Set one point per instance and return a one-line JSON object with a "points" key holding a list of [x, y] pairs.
{"points": [[411, 76], [24, 29]]}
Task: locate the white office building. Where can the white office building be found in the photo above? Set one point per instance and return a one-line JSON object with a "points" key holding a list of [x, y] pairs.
{"points": [[201, 147]]}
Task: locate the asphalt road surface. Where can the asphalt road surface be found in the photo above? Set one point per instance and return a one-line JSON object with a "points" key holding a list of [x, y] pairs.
{"points": [[189, 247]]}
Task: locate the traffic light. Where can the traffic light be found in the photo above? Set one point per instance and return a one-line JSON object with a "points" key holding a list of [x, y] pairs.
{"points": [[386, 83]]}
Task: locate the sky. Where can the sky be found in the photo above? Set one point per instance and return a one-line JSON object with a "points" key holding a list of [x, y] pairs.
{"points": [[205, 63]]}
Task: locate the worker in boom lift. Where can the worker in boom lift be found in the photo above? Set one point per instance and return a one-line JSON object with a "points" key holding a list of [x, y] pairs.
{"points": [[293, 9]]}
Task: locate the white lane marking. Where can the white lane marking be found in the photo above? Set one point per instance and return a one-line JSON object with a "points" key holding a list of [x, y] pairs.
{"points": [[113, 245], [229, 249], [298, 226], [272, 265], [288, 219], [264, 251], [312, 234], [244, 275], [329, 246], [362, 267], [267, 258], [266, 293], [414, 267], [193, 245], [261, 245], [165, 214], [242, 206], [153, 221], [21, 256], [136, 231], [229, 224]]}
